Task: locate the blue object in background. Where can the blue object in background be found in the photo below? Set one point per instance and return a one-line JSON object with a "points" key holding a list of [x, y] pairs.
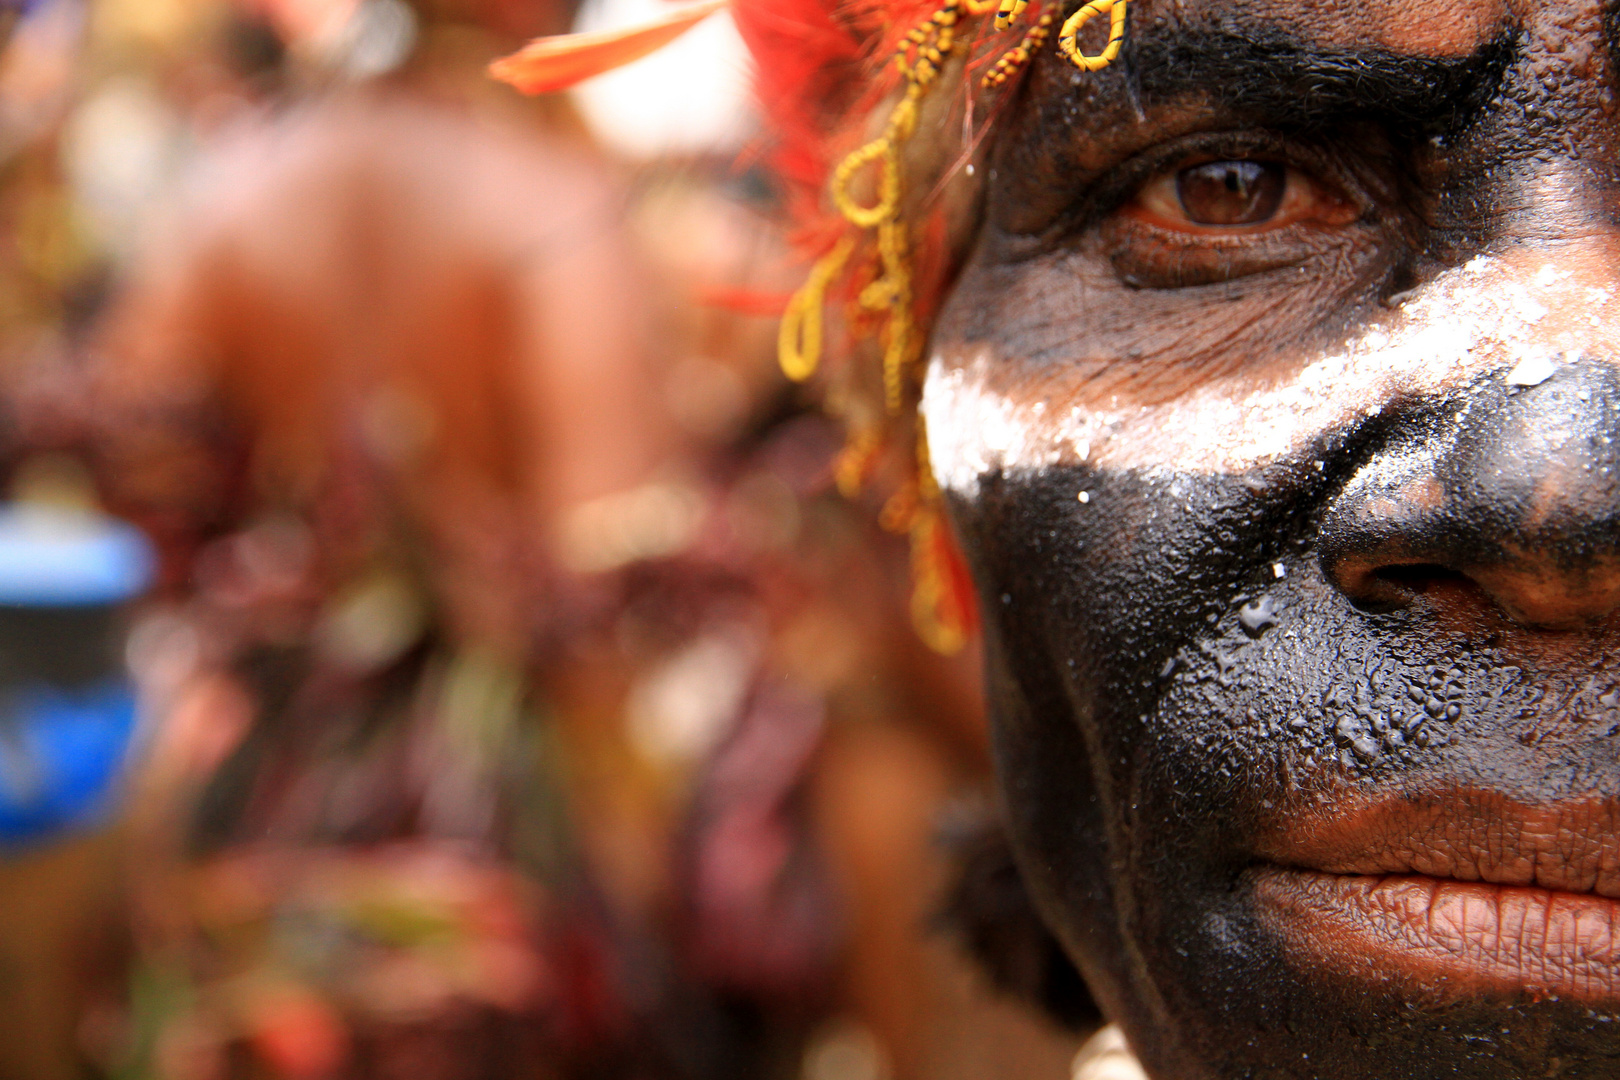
{"points": [[70, 558], [67, 705], [62, 754]]}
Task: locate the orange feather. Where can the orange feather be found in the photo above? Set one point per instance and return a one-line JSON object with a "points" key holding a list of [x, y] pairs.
{"points": [[556, 63]]}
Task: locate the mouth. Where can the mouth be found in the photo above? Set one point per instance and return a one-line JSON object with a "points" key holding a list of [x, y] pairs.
{"points": [[1460, 895]]}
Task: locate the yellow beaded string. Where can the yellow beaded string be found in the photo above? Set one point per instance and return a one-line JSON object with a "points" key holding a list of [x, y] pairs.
{"points": [[920, 56], [1008, 13], [931, 584], [1013, 60]]}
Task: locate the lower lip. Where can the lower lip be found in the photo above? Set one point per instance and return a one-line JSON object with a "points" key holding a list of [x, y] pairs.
{"points": [[1451, 938]]}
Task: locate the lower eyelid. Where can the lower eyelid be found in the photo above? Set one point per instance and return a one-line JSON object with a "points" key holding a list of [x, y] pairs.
{"points": [[1146, 255]]}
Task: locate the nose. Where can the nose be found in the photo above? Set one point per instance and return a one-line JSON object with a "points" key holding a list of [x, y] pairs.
{"points": [[1511, 491]]}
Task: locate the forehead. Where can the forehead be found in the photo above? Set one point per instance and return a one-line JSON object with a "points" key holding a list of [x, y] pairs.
{"points": [[1420, 27]]}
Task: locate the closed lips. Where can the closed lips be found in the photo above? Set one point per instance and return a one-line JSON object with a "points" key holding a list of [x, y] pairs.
{"points": [[1463, 893], [1466, 937]]}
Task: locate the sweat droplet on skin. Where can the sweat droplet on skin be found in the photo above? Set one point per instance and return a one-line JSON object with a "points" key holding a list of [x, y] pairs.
{"points": [[1258, 615]]}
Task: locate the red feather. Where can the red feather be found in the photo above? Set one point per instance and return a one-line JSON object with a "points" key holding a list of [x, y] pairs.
{"points": [[556, 63], [743, 301]]}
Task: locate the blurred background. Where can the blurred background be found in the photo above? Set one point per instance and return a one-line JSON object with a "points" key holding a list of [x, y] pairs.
{"points": [[431, 645]]}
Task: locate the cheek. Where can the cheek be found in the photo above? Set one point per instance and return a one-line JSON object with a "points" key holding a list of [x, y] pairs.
{"points": [[1114, 580]]}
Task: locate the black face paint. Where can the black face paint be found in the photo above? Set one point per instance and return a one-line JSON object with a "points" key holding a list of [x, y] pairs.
{"points": [[1264, 72]]}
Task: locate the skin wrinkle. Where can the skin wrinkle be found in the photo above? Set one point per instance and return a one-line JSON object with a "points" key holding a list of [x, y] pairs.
{"points": [[1220, 654]]}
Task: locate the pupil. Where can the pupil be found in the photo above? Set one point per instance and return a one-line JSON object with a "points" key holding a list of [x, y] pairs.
{"points": [[1231, 192]]}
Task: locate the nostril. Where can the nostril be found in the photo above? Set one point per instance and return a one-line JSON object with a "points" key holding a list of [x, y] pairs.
{"points": [[1419, 578], [1524, 596], [1537, 588], [1434, 582], [1388, 586], [1365, 582]]}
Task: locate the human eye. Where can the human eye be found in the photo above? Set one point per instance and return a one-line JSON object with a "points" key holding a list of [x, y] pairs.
{"points": [[1238, 194], [1210, 218]]}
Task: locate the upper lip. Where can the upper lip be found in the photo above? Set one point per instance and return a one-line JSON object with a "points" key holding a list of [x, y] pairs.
{"points": [[1463, 834]]}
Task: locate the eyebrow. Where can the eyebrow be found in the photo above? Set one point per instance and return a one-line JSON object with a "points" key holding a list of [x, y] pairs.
{"points": [[1274, 76]]}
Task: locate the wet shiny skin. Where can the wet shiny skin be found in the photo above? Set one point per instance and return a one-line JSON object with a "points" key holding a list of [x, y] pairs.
{"points": [[1390, 433]]}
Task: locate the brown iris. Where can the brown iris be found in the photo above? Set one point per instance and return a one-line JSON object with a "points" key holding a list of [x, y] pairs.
{"points": [[1228, 193]]}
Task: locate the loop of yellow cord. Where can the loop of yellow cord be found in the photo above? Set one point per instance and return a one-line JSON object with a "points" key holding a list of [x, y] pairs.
{"points": [[885, 151], [798, 339], [941, 616], [882, 151], [933, 603], [1067, 44]]}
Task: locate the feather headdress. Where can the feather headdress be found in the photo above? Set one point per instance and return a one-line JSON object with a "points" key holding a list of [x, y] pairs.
{"points": [[855, 92]]}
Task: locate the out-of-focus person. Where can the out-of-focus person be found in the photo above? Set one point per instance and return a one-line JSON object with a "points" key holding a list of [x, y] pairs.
{"points": [[391, 346]]}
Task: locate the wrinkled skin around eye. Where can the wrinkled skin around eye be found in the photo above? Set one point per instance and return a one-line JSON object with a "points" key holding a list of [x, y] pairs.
{"points": [[1219, 220], [1308, 713]]}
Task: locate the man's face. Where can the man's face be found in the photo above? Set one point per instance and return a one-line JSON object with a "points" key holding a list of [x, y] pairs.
{"points": [[1279, 410]]}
